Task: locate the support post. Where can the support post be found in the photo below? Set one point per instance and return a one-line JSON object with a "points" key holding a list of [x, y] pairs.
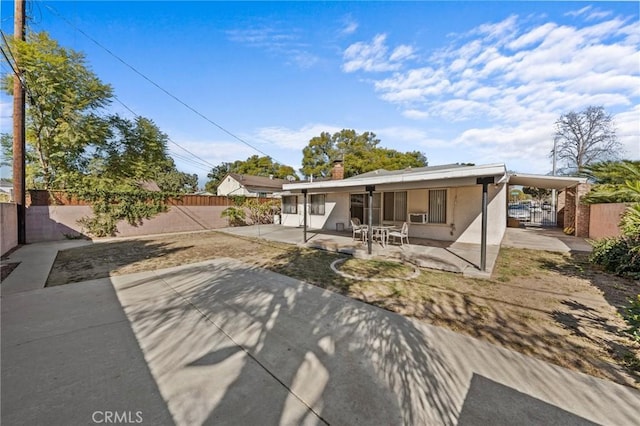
{"points": [[483, 241], [370, 189], [304, 213], [19, 193]]}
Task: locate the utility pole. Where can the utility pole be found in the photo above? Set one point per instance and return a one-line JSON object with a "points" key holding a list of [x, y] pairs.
{"points": [[19, 195], [553, 191]]}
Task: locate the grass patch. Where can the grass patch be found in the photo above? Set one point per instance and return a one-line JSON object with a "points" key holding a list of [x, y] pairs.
{"points": [[552, 306], [381, 269]]}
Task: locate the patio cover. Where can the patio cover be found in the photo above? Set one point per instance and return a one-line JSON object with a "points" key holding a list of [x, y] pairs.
{"points": [[400, 177], [547, 182]]}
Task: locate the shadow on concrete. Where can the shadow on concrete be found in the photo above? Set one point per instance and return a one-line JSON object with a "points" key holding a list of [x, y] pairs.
{"points": [[101, 259], [342, 361], [523, 409], [69, 357]]}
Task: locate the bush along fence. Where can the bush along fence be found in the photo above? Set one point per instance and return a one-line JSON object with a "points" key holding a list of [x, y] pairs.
{"points": [[55, 215]]}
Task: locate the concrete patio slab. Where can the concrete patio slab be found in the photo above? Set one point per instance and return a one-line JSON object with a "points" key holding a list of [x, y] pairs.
{"points": [[35, 264], [337, 360], [461, 258]]}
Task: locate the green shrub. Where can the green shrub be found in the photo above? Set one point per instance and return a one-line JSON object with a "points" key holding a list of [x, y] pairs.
{"points": [[632, 317], [620, 255], [235, 215]]}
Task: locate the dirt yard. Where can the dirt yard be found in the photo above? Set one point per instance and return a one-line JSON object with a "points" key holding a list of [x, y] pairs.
{"points": [[551, 306]]}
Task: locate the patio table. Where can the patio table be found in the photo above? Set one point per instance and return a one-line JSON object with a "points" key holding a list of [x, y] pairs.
{"points": [[383, 232]]}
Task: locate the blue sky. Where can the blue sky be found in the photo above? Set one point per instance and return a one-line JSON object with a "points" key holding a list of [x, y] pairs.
{"points": [[479, 82]]}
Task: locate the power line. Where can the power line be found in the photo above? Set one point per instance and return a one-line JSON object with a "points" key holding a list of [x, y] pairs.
{"points": [[201, 160], [55, 12]]}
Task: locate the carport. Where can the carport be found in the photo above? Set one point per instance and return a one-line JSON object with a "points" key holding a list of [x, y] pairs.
{"points": [[566, 184]]}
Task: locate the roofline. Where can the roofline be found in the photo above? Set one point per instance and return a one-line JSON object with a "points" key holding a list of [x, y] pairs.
{"points": [[497, 169], [552, 182]]}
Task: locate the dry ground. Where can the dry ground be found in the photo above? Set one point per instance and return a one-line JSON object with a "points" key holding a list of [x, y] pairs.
{"points": [[552, 306]]}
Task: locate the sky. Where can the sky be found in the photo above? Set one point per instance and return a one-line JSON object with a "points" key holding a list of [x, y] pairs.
{"points": [[467, 82]]}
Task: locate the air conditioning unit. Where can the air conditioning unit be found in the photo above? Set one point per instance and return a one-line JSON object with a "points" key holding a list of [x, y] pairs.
{"points": [[418, 217]]}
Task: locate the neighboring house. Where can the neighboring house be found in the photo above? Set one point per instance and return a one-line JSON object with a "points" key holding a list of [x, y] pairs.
{"points": [[441, 202], [250, 186], [6, 191]]}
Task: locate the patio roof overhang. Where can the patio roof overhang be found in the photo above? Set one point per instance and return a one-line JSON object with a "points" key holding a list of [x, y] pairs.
{"points": [[457, 176], [547, 182]]}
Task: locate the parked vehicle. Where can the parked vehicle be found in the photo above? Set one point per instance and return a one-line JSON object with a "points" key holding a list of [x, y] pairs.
{"points": [[520, 212]]}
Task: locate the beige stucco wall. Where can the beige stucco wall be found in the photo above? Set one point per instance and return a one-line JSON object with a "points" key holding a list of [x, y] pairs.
{"points": [[232, 187], [9, 227], [468, 214], [464, 218], [604, 220], [50, 223], [336, 211]]}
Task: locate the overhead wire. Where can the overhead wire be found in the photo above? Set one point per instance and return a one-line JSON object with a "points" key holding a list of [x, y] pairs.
{"points": [[198, 160], [189, 107]]}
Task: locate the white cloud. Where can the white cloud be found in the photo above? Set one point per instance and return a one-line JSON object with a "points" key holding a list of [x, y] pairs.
{"points": [[286, 43], [526, 71], [350, 26], [415, 114], [628, 132], [292, 139], [401, 136], [589, 13], [500, 87], [374, 57]]}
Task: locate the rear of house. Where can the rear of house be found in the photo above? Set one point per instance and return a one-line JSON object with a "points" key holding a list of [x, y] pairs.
{"points": [[442, 202]]}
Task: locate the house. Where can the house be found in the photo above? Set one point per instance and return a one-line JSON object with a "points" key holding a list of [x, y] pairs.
{"points": [[235, 184], [447, 203]]}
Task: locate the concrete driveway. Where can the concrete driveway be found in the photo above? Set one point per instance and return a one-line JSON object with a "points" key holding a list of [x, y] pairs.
{"points": [[221, 342]]}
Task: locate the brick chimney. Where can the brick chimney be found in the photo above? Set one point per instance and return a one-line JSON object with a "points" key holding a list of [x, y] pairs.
{"points": [[337, 172]]}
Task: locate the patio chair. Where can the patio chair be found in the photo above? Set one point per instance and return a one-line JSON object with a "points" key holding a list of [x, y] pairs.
{"points": [[403, 233], [359, 228]]}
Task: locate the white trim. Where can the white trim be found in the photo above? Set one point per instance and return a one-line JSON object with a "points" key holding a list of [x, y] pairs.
{"points": [[457, 172]]}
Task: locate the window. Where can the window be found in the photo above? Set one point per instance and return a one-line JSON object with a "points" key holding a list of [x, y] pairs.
{"points": [[290, 204], [317, 204], [395, 206], [438, 206]]}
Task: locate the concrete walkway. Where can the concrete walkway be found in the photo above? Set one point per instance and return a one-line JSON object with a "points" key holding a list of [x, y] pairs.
{"points": [[221, 342]]}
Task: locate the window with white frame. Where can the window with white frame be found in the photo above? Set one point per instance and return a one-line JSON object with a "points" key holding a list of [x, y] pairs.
{"points": [[395, 206], [437, 206], [290, 204], [317, 204]]}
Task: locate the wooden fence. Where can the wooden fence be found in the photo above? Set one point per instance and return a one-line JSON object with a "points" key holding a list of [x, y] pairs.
{"points": [[64, 198]]}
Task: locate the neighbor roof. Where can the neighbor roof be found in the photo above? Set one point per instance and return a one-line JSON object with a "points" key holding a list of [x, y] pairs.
{"points": [[258, 183]]}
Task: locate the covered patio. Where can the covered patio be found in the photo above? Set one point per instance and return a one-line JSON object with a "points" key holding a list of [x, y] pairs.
{"points": [[448, 256]]}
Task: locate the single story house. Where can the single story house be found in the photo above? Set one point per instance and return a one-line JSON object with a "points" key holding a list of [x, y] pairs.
{"points": [[235, 184], [447, 203]]}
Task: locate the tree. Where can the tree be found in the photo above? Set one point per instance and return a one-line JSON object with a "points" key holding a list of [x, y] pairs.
{"points": [[216, 175], [254, 166], [584, 138], [614, 182], [359, 152], [537, 193], [134, 150], [63, 100], [176, 181]]}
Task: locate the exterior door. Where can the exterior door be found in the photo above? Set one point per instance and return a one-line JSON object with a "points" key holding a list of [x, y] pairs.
{"points": [[357, 206]]}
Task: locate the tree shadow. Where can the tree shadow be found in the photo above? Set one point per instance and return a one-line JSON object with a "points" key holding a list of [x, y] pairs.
{"points": [[100, 260], [334, 361]]}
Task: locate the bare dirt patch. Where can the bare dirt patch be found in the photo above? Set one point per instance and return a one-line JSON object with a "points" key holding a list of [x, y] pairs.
{"points": [[552, 306]]}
